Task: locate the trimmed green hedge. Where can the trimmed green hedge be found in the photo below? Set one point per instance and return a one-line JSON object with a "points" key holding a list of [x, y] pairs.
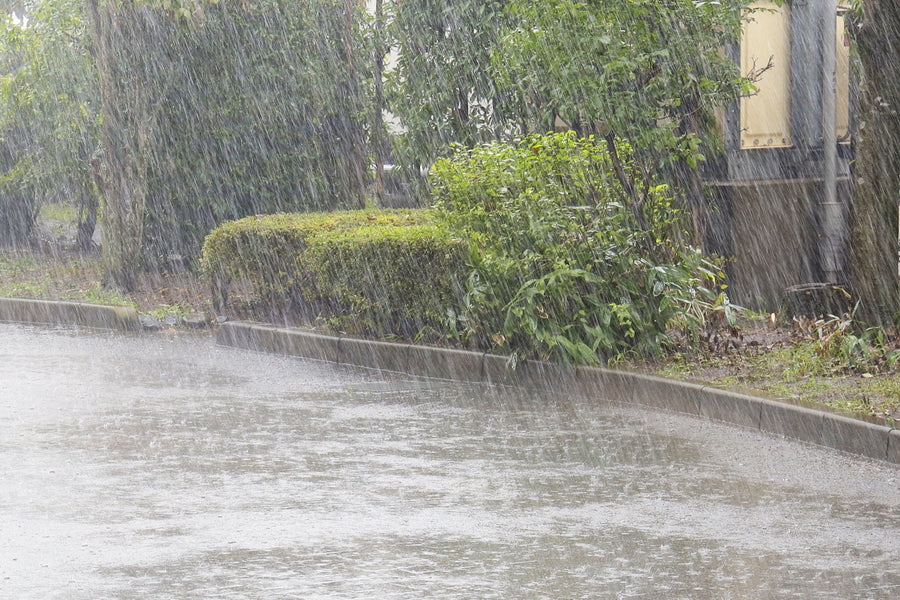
{"points": [[378, 271]]}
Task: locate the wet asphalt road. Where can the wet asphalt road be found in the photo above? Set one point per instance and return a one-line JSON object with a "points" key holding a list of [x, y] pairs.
{"points": [[166, 467]]}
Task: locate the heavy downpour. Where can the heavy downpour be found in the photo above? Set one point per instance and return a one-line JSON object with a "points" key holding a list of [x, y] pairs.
{"points": [[458, 299]]}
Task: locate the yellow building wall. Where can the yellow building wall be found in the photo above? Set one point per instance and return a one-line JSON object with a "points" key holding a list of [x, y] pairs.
{"points": [[766, 115]]}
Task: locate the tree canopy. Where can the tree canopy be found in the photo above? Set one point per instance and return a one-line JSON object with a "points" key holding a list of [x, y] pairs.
{"points": [[640, 73], [49, 112], [215, 109]]}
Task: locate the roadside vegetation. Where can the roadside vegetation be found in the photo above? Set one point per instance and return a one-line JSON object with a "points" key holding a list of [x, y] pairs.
{"points": [[833, 361], [783, 361], [51, 266], [564, 265], [271, 275]]}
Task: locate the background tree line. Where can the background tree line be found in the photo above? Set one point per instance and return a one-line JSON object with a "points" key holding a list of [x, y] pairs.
{"points": [[180, 114]]}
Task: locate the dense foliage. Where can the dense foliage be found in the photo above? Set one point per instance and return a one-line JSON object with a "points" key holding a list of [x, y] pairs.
{"points": [[384, 272], [49, 116], [261, 115], [443, 88], [215, 109], [645, 72], [386, 279], [223, 110], [534, 251], [561, 266]]}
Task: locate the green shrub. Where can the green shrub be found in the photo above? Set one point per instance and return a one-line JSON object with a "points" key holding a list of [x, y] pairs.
{"points": [[385, 278], [258, 251], [381, 272], [564, 263]]}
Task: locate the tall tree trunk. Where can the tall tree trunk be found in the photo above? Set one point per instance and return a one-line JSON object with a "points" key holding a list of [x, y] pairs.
{"points": [[357, 148], [88, 200], [874, 223], [124, 136], [378, 128]]}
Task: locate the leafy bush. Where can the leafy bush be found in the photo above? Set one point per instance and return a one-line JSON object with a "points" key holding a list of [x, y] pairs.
{"points": [[383, 272], [563, 265]]}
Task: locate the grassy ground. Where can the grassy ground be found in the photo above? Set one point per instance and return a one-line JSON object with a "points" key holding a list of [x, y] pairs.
{"points": [[823, 362], [826, 362], [50, 269], [54, 274]]}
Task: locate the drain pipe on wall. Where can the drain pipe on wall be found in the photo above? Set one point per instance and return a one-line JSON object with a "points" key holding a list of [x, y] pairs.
{"points": [[832, 213]]}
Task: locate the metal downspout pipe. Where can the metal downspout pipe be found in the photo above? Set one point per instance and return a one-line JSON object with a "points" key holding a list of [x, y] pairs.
{"points": [[832, 213]]}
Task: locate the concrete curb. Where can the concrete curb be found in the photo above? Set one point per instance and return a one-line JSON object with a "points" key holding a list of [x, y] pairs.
{"points": [[49, 312], [796, 422]]}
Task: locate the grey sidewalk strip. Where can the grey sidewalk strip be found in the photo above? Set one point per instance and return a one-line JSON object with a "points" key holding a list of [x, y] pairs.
{"points": [[50, 312], [795, 422]]}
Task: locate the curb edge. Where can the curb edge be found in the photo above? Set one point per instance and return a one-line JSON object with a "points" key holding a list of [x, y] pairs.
{"points": [[809, 425]]}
